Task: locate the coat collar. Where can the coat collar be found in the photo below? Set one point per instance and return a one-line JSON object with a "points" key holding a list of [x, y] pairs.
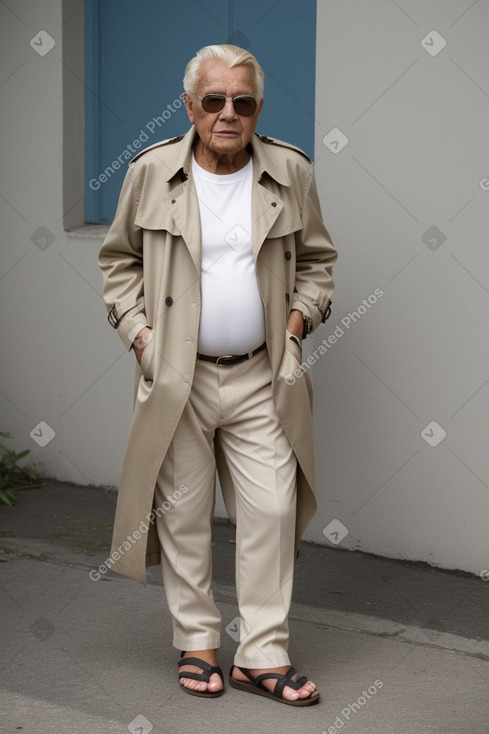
{"points": [[264, 158], [180, 215]]}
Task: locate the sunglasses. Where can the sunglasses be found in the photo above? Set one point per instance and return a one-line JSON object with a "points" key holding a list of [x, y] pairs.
{"points": [[244, 104]]}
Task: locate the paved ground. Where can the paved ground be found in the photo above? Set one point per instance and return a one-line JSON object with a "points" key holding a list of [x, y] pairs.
{"points": [[395, 648]]}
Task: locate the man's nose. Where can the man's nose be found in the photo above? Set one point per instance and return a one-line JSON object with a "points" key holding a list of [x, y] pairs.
{"points": [[228, 112]]}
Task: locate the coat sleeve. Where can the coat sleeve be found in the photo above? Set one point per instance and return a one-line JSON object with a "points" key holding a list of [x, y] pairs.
{"points": [[315, 257], [121, 261]]}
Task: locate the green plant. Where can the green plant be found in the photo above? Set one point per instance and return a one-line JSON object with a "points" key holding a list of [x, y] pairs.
{"points": [[13, 477]]}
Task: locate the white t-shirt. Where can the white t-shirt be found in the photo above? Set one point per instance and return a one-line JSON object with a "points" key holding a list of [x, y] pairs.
{"points": [[232, 317]]}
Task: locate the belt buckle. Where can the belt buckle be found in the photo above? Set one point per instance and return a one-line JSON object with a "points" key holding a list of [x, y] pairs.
{"points": [[225, 356]]}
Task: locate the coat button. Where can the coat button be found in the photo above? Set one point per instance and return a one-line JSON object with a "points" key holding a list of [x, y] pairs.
{"points": [[169, 301], [274, 203], [173, 201], [287, 255]]}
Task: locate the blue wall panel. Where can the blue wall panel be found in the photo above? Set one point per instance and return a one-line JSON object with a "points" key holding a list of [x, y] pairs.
{"points": [[136, 53]]}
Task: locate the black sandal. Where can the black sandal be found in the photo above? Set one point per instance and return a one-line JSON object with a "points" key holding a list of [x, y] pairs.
{"points": [[207, 671], [256, 686]]}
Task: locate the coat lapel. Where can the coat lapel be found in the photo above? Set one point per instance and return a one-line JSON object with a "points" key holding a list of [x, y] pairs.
{"points": [[183, 205], [265, 208], [178, 213]]}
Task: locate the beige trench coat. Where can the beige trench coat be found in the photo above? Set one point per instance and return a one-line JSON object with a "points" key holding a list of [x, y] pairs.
{"points": [[151, 264]]}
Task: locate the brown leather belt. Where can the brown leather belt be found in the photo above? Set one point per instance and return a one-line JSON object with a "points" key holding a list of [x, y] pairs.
{"points": [[226, 360]]}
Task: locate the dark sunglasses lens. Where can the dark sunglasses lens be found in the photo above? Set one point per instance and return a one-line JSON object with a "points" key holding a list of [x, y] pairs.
{"points": [[245, 106], [213, 102]]}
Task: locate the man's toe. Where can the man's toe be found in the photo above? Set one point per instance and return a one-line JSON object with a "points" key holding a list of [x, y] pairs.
{"points": [[305, 691], [290, 694], [194, 685], [215, 683]]}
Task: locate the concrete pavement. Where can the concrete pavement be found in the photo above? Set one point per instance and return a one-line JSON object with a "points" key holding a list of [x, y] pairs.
{"points": [[395, 648]]}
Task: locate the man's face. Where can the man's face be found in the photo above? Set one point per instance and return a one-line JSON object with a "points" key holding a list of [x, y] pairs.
{"points": [[224, 132]]}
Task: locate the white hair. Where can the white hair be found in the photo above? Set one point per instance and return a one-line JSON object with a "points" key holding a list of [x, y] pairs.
{"points": [[230, 56]]}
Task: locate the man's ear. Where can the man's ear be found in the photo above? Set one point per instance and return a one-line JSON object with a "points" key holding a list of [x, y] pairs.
{"points": [[187, 100]]}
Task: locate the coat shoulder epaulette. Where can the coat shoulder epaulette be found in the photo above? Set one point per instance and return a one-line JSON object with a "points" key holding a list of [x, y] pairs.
{"points": [[282, 144], [159, 144]]}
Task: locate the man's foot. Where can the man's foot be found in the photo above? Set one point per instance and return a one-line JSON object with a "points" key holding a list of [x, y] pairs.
{"points": [[215, 684], [307, 691]]}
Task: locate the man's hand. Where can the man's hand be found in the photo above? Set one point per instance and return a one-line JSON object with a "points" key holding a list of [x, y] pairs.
{"points": [[295, 323], [140, 342]]}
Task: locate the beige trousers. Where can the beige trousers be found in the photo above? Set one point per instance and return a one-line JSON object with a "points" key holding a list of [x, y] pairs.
{"points": [[236, 401]]}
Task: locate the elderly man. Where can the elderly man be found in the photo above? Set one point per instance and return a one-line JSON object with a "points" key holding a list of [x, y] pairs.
{"points": [[216, 266]]}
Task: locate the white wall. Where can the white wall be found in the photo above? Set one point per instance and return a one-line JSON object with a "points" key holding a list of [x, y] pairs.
{"points": [[416, 155], [59, 360], [414, 159]]}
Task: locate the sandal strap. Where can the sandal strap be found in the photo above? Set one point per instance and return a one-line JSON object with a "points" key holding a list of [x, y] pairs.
{"points": [[296, 683], [207, 669], [245, 672], [286, 680], [265, 676], [204, 677], [283, 679]]}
